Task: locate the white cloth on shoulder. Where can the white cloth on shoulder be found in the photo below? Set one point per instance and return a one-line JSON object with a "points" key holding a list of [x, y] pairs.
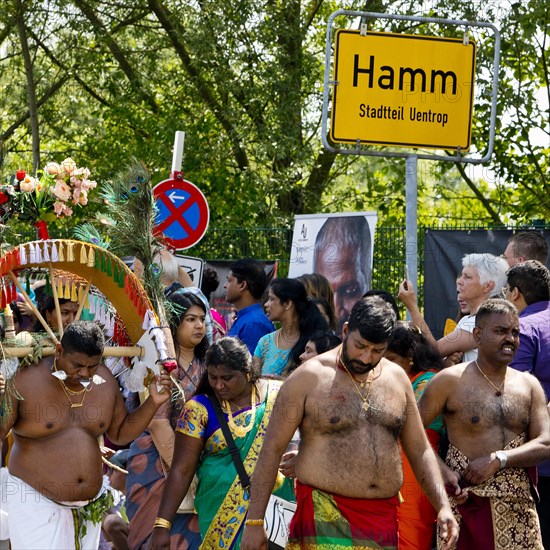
{"points": [[467, 323], [36, 522]]}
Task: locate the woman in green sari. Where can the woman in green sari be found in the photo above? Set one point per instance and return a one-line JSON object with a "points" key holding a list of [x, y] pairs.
{"points": [[246, 401]]}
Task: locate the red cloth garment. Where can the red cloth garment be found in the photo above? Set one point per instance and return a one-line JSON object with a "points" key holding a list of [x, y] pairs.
{"points": [[477, 519], [328, 521]]}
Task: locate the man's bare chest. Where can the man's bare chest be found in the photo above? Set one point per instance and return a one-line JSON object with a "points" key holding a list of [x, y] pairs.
{"points": [[54, 413], [480, 409], [343, 409]]}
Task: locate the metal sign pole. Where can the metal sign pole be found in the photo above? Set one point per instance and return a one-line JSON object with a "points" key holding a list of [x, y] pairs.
{"points": [[375, 103], [177, 155], [411, 220]]}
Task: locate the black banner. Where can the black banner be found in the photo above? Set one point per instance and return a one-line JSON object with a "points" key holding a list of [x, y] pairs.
{"points": [[443, 253]]}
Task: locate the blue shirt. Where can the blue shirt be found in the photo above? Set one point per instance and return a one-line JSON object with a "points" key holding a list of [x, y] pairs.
{"points": [[251, 324], [533, 354]]}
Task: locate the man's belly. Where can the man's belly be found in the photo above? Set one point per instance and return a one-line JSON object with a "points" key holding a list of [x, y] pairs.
{"points": [[64, 467], [353, 470]]}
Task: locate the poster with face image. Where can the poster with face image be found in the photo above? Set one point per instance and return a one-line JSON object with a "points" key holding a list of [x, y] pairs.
{"points": [[340, 247]]}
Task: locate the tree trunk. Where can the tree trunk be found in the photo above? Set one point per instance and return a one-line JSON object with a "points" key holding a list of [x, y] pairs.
{"points": [[31, 89]]}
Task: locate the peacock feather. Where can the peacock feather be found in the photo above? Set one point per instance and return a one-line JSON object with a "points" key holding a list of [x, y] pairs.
{"points": [[88, 233], [129, 219]]}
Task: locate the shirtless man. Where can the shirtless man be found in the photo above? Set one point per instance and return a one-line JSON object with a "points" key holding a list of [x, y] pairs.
{"points": [[498, 426], [55, 465], [353, 408]]}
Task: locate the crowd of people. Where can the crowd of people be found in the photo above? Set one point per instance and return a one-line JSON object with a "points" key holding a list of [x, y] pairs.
{"points": [[382, 435]]}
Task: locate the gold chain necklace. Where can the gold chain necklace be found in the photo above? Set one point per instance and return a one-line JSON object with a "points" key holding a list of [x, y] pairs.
{"points": [[280, 336], [369, 381], [73, 405], [241, 431], [342, 366], [72, 392], [499, 389], [68, 392]]}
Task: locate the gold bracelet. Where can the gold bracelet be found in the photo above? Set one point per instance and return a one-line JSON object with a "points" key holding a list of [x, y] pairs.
{"points": [[161, 522], [254, 522]]}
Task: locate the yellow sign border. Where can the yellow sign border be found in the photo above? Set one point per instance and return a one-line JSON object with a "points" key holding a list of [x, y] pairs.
{"points": [[354, 141]]}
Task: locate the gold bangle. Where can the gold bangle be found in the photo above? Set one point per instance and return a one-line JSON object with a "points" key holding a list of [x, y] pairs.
{"points": [[161, 522], [254, 522]]}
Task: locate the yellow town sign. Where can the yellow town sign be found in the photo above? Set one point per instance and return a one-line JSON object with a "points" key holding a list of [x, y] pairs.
{"points": [[403, 90]]}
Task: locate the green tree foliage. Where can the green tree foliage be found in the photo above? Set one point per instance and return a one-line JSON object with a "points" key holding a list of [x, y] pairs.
{"points": [[104, 81]]}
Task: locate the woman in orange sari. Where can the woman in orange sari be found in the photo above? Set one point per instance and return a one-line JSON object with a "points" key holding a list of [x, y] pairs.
{"points": [[416, 516]]}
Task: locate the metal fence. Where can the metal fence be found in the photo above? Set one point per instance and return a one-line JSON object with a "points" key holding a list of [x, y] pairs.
{"points": [[271, 243]]}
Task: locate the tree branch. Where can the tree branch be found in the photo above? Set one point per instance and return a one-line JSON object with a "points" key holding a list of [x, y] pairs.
{"points": [[6, 31], [494, 215], [70, 72], [167, 20], [21, 120], [313, 8], [319, 175], [127, 69]]}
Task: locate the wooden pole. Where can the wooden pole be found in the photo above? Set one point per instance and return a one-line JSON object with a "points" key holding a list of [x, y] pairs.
{"points": [[56, 302], [84, 297], [33, 307], [122, 351]]}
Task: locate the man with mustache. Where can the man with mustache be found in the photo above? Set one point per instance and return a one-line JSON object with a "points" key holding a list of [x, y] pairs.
{"points": [[55, 494], [354, 409], [342, 254], [498, 429]]}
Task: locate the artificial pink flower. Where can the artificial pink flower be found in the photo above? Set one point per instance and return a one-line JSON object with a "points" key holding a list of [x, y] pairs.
{"points": [[61, 190], [52, 168], [61, 209], [28, 185], [68, 166]]}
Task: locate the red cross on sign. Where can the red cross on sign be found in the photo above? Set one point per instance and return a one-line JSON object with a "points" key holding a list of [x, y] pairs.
{"points": [[183, 213]]}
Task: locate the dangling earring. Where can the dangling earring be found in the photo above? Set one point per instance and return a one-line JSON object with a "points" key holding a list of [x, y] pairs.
{"points": [[248, 377]]}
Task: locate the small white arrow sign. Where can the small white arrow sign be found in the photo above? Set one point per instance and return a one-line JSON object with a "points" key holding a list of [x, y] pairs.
{"points": [[173, 196]]}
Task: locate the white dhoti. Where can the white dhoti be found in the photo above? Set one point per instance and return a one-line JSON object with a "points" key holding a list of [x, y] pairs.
{"points": [[4, 531], [36, 522]]}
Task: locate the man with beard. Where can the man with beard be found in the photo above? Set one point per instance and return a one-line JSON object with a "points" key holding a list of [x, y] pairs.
{"points": [[498, 428], [342, 254], [354, 409]]}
